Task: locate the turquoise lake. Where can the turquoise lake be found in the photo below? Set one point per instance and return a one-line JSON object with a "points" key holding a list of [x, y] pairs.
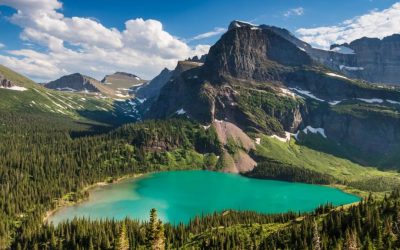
{"points": [[179, 196]]}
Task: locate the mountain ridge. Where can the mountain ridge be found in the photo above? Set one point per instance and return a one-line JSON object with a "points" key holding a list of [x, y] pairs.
{"points": [[258, 80]]}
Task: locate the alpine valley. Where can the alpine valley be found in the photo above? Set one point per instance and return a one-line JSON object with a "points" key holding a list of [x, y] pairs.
{"points": [[261, 109]]}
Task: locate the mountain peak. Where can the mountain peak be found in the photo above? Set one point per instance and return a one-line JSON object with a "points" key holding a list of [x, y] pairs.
{"points": [[247, 51], [125, 74], [239, 24]]}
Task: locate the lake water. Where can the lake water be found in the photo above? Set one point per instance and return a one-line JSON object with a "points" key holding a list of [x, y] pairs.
{"points": [[179, 196]]}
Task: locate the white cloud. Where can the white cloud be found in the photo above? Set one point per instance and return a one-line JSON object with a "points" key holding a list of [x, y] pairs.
{"points": [[78, 44], [373, 24], [215, 32], [2, 45], [294, 12]]}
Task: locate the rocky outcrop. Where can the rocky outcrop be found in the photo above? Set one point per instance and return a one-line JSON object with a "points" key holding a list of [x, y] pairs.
{"points": [[5, 83]]}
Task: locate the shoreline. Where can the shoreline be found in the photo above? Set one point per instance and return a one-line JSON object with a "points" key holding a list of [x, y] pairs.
{"points": [[62, 204]]}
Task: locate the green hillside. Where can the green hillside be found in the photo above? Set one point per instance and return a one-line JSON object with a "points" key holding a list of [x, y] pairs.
{"points": [[78, 106], [345, 172]]}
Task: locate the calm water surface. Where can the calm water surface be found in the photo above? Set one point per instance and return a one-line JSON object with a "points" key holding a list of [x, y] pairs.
{"points": [[179, 196]]}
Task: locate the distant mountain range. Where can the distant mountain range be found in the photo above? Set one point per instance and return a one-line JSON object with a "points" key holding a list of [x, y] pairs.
{"points": [[117, 85], [262, 79]]}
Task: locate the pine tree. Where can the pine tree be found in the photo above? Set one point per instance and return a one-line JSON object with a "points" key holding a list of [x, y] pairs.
{"points": [[159, 241], [123, 242], [351, 242], [396, 225], [316, 239], [152, 228], [155, 237]]}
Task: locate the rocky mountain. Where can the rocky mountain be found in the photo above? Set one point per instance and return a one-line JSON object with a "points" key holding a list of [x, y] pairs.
{"points": [[370, 59], [122, 82], [261, 80], [152, 89], [80, 83]]}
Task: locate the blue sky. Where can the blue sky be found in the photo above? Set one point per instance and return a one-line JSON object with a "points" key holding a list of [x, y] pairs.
{"points": [[43, 42]]}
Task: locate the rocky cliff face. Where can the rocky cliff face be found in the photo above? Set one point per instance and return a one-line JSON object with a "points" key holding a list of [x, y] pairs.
{"points": [[374, 60], [370, 59], [74, 82], [263, 79], [249, 52], [152, 89]]}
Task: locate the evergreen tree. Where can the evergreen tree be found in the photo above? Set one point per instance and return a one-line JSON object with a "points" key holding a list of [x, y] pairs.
{"points": [[159, 241], [123, 242], [316, 239], [155, 232], [351, 241]]}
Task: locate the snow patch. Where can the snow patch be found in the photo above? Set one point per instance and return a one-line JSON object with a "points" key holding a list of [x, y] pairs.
{"points": [[333, 103], [343, 50], [307, 93], [373, 100], [282, 139], [287, 92], [312, 130], [350, 68], [67, 89], [239, 24], [180, 112], [16, 88], [393, 102], [141, 100], [122, 96], [258, 141], [300, 48], [336, 75]]}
